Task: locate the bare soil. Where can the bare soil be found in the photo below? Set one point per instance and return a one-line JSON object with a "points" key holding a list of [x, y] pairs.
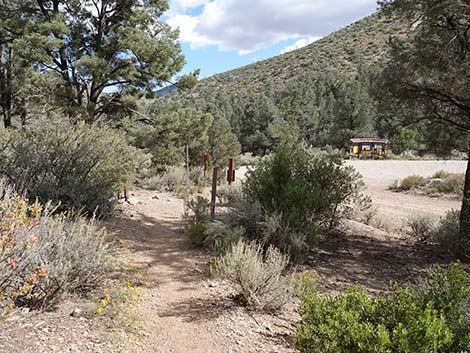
{"points": [[395, 207], [27, 331], [186, 311]]}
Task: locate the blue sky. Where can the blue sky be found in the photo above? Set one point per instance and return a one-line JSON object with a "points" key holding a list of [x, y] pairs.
{"points": [[219, 35]]}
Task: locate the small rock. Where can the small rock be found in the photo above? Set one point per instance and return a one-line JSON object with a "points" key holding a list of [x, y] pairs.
{"points": [[212, 284], [169, 200], [77, 312], [156, 197]]}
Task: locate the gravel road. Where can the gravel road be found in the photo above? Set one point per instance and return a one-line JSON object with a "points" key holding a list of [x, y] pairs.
{"points": [[378, 175]]}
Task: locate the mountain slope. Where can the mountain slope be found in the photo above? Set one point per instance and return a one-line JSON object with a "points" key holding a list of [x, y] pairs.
{"points": [[343, 52]]}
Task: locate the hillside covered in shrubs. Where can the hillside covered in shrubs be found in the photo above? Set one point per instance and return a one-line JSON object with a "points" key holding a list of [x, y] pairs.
{"points": [[344, 53]]}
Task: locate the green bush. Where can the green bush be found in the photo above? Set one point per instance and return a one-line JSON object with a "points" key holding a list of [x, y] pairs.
{"points": [[196, 233], [412, 182], [451, 184], [216, 237], [431, 316], [198, 209], [306, 191], [82, 167], [44, 256], [257, 278], [219, 238]]}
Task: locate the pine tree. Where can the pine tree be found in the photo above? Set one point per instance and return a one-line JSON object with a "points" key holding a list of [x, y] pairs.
{"points": [[98, 46], [427, 74]]}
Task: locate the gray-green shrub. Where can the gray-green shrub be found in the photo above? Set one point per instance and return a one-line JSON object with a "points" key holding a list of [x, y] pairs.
{"points": [[290, 241], [174, 179], [82, 167], [228, 193], [44, 256], [446, 236], [421, 226], [258, 277], [412, 182]]}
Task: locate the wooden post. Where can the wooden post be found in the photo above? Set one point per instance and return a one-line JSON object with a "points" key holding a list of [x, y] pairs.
{"points": [[187, 165], [230, 173], [126, 192], [214, 191], [207, 158]]}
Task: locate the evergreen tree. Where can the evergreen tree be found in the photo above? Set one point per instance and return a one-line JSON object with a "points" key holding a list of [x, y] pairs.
{"points": [[427, 75], [95, 46], [13, 69]]}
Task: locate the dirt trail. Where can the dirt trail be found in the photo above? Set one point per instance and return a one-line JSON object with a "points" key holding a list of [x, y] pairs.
{"points": [[184, 310]]}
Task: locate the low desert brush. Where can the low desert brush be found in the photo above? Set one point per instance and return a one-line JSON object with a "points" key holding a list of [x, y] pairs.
{"points": [[43, 256], [421, 226], [257, 277]]}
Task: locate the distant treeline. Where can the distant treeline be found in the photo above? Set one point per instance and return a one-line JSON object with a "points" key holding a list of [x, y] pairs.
{"points": [[323, 110]]}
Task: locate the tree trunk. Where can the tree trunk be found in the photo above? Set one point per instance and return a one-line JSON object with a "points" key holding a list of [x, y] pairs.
{"points": [[465, 213], [6, 82], [6, 117], [93, 102]]}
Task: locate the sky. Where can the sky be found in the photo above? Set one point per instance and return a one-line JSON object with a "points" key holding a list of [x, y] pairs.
{"points": [[220, 35]]}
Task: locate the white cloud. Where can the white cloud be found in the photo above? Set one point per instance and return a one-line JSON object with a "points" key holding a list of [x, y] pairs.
{"points": [[180, 6], [187, 25], [246, 26], [299, 44]]}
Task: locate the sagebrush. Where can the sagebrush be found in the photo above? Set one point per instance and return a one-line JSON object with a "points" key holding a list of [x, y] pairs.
{"points": [[258, 277], [44, 256], [79, 166], [421, 227]]}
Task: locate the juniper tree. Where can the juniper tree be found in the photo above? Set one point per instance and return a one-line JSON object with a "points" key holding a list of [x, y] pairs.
{"points": [[426, 77]]}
